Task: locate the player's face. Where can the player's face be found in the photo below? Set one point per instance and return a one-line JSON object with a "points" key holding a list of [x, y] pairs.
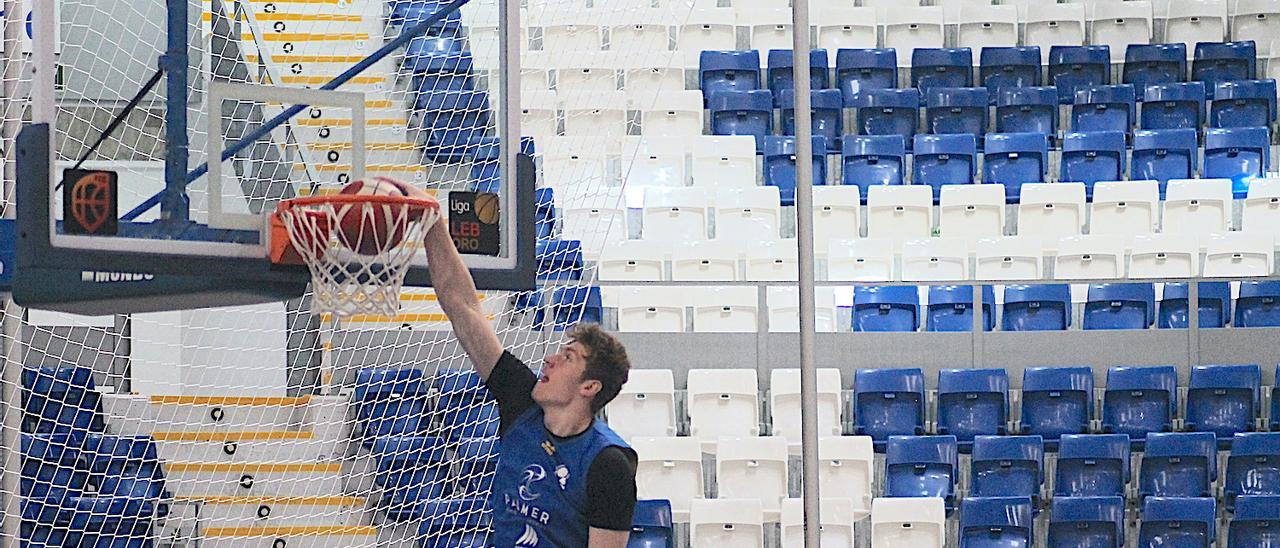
{"points": [[561, 381]]}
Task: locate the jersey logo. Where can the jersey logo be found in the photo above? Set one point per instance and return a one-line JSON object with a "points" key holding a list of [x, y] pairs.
{"points": [[562, 474], [528, 539], [532, 473]]}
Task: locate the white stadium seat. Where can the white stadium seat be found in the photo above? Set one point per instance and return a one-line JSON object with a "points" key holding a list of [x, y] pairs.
{"points": [[849, 461], [724, 161], [835, 521], [747, 214], [1164, 256], [707, 29], [784, 404], [651, 309], [1051, 210], [704, 260], [907, 28], [1239, 254], [1197, 206], [1046, 24], [647, 77], [633, 260], [588, 71], [669, 468], [671, 113], [564, 33], [574, 165], [753, 468], [600, 114], [733, 309], [836, 213], [980, 26], [653, 161], [935, 259], [645, 406], [1262, 207], [901, 212], [770, 28], [1125, 208], [598, 220], [1010, 258], [1093, 256], [914, 522], [1255, 20], [971, 211], [675, 214], [845, 26], [538, 113], [784, 309], [1119, 24], [1193, 21], [640, 29], [722, 403], [771, 261], [867, 260], [726, 522]]}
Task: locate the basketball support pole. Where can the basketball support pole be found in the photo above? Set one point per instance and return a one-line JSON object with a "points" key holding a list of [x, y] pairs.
{"points": [[11, 323], [804, 241]]}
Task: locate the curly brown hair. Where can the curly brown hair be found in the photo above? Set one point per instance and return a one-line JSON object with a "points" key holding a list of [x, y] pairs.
{"points": [[606, 361]]}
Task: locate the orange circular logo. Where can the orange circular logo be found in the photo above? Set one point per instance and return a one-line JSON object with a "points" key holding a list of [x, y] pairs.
{"points": [[91, 201]]}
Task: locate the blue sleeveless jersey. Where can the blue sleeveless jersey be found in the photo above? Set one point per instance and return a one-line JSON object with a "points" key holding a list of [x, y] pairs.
{"points": [[540, 490]]}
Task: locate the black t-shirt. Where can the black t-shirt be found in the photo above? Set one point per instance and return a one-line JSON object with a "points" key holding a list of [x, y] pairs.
{"points": [[611, 480]]}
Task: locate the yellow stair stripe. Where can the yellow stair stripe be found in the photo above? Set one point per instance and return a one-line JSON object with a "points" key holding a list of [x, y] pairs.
{"points": [[300, 501], [398, 318], [286, 58], [255, 467], [315, 36], [321, 80], [252, 401], [291, 531], [367, 146], [334, 2], [334, 17], [367, 167], [258, 435], [346, 122]]}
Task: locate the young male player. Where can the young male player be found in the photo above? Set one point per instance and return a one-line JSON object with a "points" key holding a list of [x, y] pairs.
{"points": [[564, 478]]}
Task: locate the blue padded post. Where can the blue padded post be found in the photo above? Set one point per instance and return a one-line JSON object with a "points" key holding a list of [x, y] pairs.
{"points": [[651, 525], [1245, 103], [951, 308], [1037, 307], [1178, 521], [888, 112], [1152, 64], [1104, 108], [1239, 153], [886, 308], [780, 78], [941, 68], [996, 522], [1012, 159], [944, 160], [1171, 106], [1087, 522], [1140, 400], [921, 466], [972, 402], [1120, 306], [1071, 67], [827, 116], [1091, 157], [728, 71], [1178, 464], [1255, 522], [456, 521], [1027, 110], [1224, 62], [868, 160], [1214, 307], [411, 470], [1164, 154], [957, 110], [1258, 304], [859, 70], [780, 165], [1007, 466], [742, 113], [1253, 468], [1224, 400], [1092, 465], [1009, 67], [888, 402], [1056, 401]]}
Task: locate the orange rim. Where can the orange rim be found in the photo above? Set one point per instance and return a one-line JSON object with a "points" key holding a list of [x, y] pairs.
{"points": [[346, 199]]}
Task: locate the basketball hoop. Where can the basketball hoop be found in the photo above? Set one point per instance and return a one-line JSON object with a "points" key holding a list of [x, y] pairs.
{"points": [[357, 246]]}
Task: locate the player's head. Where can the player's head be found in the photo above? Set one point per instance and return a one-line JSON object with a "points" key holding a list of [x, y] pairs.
{"points": [[590, 367]]}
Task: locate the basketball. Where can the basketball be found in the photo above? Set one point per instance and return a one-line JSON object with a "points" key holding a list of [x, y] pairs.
{"points": [[368, 229], [487, 208]]}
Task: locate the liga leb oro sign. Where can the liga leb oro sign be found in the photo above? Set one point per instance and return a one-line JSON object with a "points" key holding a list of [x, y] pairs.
{"points": [[89, 202]]}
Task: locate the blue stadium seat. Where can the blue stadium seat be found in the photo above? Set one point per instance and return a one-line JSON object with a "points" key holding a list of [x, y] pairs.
{"points": [[391, 402], [1120, 306], [1072, 67], [735, 112], [457, 387], [1140, 400], [1086, 522], [779, 75], [651, 525], [1037, 307], [1012, 159], [886, 308], [1258, 304], [545, 212], [1214, 308], [720, 71], [951, 308], [888, 402], [1007, 466], [780, 165], [1164, 154], [454, 523], [1253, 468], [559, 260], [453, 123], [1255, 524], [51, 467], [413, 12], [1170, 106], [1275, 403], [957, 110], [1104, 108], [827, 116], [1177, 521], [1009, 67], [1238, 153], [1056, 401], [996, 522], [445, 54], [921, 466], [1246, 103], [888, 112], [1152, 64], [941, 68], [486, 174], [1094, 465], [1027, 110], [944, 160], [972, 402], [46, 524], [574, 304], [868, 160], [124, 466], [411, 471], [1224, 62], [1223, 399], [1091, 157], [454, 75], [477, 462], [60, 399], [1178, 464], [859, 70], [464, 406], [115, 522]]}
